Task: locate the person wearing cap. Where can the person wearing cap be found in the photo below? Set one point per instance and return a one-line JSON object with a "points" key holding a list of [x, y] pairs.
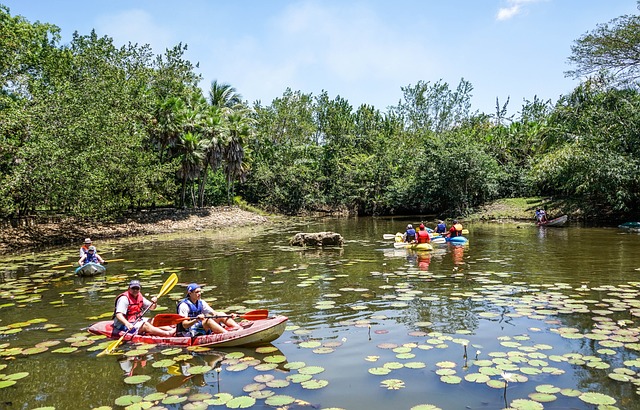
{"points": [[410, 234], [441, 228], [90, 256], [129, 307], [85, 246], [195, 310], [422, 236]]}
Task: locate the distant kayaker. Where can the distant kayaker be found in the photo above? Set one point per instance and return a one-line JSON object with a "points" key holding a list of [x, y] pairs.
{"points": [[441, 228], [85, 246], [129, 307], [422, 236], [195, 310], [456, 229], [410, 234], [90, 256]]}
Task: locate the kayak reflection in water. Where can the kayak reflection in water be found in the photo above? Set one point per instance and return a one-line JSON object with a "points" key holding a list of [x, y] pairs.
{"points": [[129, 364], [424, 259], [458, 255]]}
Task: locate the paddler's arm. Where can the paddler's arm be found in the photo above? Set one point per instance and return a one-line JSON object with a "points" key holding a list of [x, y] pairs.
{"points": [[187, 323], [123, 320]]}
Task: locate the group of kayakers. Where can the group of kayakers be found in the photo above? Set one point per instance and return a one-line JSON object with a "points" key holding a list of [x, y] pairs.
{"points": [[423, 234], [200, 318]]}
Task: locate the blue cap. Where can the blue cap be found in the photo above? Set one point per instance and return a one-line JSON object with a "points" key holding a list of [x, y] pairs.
{"points": [[134, 283], [192, 286]]}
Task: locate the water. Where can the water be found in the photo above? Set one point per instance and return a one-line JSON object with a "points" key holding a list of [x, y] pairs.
{"points": [[438, 324]]}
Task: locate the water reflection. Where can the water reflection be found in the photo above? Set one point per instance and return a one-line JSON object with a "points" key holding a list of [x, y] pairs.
{"points": [[514, 295]]}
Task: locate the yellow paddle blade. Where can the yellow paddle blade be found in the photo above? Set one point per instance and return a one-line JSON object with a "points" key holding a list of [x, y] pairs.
{"points": [[168, 285]]}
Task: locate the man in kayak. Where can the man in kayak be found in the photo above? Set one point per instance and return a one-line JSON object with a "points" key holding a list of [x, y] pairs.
{"points": [[197, 314], [410, 234], [90, 256], [441, 228], [129, 307], [422, 236], [455, 230]]}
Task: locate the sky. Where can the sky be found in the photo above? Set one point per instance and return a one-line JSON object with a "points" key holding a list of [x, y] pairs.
{"points": [[364, 51]]}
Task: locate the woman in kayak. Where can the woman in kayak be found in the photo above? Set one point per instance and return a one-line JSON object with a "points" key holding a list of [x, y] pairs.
{"points": [[195, 310], [90, 256]]}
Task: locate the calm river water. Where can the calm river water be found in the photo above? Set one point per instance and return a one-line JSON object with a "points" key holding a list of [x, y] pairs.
{"points": [[554, 311]]}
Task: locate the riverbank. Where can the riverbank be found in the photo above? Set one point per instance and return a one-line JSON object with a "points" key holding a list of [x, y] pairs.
{"points": [[73, 231], [521, 209]]}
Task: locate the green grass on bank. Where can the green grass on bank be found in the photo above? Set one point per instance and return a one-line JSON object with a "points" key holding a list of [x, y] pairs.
{"points": [[518, 209]]}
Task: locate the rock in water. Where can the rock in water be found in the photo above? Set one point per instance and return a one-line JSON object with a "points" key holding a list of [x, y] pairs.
{"points": [[317, 239]]}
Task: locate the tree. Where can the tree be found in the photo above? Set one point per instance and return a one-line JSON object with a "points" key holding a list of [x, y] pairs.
{"points": [[223, 95], [612, 47]]}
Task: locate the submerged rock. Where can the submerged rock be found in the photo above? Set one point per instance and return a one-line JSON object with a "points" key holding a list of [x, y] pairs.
{"points": [[317, 239]]}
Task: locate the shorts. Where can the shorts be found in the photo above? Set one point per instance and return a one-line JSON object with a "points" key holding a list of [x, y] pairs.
{"points": [[121, 328], [196, 330]]}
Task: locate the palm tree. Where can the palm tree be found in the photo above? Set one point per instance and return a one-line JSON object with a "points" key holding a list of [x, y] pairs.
{"points": [[223, 95], [168, 124], [190, 150], [234, 152], [213, 133]]}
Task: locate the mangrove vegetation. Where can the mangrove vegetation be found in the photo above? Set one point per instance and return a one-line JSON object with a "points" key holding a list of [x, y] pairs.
{"points": [[88, 128]]}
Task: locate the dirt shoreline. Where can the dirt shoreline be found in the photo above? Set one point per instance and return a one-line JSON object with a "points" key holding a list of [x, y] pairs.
{"points": [[148, 222]]}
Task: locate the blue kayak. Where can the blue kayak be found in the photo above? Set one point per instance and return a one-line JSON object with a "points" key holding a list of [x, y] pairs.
{"points": [[457, 240], [90, 269]]}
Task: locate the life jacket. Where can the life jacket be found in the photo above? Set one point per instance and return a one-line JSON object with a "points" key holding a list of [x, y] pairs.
{"points": [[91, 257], [134, 308], [194, 310], [441, 228], [422, 236], [410, 235], [458, 228], [84, 249]]}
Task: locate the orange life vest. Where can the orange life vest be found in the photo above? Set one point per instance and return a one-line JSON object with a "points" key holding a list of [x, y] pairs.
{"points": [[135, 305], [422, 236]]}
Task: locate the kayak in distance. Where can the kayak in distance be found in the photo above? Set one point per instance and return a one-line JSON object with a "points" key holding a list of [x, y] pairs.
{"points": [[90, 269], [559, 221]]}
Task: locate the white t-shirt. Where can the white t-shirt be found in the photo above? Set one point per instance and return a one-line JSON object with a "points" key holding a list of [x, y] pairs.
{"points": [[183, 309], [122, 305]]}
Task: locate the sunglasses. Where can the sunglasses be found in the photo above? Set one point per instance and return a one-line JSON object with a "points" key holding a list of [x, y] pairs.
{"points": [[134, 288]]}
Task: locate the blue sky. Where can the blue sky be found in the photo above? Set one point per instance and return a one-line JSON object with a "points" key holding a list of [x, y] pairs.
{"points": [[363, 51]]}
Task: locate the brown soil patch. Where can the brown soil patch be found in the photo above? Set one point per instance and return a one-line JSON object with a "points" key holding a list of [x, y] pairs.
{"points": [[72, 230]]}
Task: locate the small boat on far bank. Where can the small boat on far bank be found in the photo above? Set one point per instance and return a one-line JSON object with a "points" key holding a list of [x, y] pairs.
{"points": [[630, 226], [90, 269], [559, 221]]}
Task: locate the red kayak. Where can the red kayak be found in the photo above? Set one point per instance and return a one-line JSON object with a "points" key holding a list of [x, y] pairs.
{"points": [[259, 332]]}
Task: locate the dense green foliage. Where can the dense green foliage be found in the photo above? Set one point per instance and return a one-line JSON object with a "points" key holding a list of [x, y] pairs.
{"points": [[87, 128]]}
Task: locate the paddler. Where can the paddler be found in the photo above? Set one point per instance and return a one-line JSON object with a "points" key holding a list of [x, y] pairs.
{"points": [[195, 310], [456, 229], [129, 306]]}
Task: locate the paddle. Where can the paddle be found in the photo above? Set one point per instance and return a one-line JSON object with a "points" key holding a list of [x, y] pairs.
{"points": [[167, 319], [166, 288], [388, 236], [74, 264]]}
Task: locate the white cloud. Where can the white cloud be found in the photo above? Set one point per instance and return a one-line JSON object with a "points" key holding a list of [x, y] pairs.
{"points": [[347, 49], [514, 8], [505, 13]]}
